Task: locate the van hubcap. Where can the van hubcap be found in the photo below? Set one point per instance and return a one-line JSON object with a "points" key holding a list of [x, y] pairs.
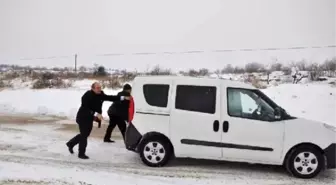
{"points": [[154, 152], [305, 163]]}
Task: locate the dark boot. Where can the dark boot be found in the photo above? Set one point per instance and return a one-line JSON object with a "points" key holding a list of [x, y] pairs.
{"points": [[108, 140], [70, 148], [108, 134], [83, 156]]}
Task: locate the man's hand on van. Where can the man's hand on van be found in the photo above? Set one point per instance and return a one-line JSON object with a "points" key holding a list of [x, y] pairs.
{"points": [[125, 98], [99, 117]]}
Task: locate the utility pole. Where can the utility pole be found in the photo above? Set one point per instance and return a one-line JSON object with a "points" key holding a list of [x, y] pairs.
{"points": [[75, 63]]}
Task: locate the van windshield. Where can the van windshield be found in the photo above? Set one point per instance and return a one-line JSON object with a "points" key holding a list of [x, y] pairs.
{"points": [[272, 103], [253, 104], [260, 95]]}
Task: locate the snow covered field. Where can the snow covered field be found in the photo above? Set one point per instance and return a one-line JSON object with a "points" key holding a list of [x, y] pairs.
{"points": [[36, 153], [55, 102], [315, 101]]}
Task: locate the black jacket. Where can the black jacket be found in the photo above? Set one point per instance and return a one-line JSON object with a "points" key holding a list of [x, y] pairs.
{"points": [[120, 109], [91, 104]]}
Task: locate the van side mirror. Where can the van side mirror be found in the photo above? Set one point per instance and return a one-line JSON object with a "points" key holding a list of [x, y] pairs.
{"points": [[277, 113]]}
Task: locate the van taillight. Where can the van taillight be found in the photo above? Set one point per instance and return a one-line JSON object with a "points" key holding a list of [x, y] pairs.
{"points": [[131, 110]]}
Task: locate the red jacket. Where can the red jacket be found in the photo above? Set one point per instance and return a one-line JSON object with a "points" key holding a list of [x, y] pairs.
{"points": [[131, 110]]}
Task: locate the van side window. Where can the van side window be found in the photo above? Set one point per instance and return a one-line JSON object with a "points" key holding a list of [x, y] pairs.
{"points": [[156, 94], [196, 98], [249, 104]]}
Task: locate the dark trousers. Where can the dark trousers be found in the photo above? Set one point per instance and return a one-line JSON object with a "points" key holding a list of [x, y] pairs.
{"points": [[115, 120], [85, 129]]}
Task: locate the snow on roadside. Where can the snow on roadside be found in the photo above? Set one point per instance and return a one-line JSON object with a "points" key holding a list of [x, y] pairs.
{"points": [[316, 101], [56, 102]]}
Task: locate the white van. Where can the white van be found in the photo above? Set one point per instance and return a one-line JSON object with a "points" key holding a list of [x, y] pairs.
{"points": [[223, 120]]}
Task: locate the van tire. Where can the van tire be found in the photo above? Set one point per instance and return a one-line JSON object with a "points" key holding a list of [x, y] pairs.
{"points": [[306, 158], [155, 151]]}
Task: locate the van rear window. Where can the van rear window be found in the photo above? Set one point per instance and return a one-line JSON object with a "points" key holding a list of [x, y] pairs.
{"points": [[156, 94]]}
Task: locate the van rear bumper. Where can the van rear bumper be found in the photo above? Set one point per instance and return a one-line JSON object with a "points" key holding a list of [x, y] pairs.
{"points": [[132, 138], [330, 153]]}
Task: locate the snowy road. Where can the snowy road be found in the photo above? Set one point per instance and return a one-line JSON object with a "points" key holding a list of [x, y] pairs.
{"points": [[36, 154]]}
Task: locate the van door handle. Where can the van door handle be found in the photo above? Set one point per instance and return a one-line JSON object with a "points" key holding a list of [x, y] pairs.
{"points": [[225, 126], [216, 126]]}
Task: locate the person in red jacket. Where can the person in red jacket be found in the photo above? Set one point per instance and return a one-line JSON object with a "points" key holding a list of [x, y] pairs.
{"points": [[119, 113], [131, 110]]}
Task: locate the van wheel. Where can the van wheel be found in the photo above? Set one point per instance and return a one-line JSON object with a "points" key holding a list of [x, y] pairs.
{"points": [[155, 152], [305, 162]]}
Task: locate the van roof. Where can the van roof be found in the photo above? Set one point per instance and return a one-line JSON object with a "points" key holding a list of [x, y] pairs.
{"points": [[230, 83]]}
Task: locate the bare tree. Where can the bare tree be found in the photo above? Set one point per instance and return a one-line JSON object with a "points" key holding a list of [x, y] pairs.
{"points": [[276, 67], [82, 69], [286, 70], [192, 72], [157, 70], [301, 65], [330, 66], [254, 67], [239, 70], [218, 73], [203, 72], [228, 69]]}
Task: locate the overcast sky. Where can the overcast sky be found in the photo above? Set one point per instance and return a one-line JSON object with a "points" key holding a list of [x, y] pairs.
{"points": [[43, 28]]}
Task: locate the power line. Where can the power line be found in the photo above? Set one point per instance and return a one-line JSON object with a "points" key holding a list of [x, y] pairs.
{"points": [[186, 52], [43, 58], [216, 51]]}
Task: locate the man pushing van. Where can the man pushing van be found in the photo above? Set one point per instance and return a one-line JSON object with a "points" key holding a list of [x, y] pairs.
{"points": [[90, 110]]}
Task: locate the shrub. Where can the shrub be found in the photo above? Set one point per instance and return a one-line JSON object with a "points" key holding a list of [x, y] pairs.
{"points": [[128, 76], [114, 82], [287, 70], [228, 69], [194, 73], [67, 75], [10, 75], [49, 80], [5, 84], [53, 83], [238, 70], [100, 71], [276, 67], [157, 70], [254, 67], [258, 84]]}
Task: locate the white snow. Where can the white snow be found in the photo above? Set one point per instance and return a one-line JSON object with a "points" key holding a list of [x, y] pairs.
{"points": [[36, 154], [56, 102], [315, 101]]}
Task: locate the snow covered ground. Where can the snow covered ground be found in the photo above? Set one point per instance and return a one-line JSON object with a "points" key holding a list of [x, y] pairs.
{"points": [[315, 101], [36, 154], [55, 102]]}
